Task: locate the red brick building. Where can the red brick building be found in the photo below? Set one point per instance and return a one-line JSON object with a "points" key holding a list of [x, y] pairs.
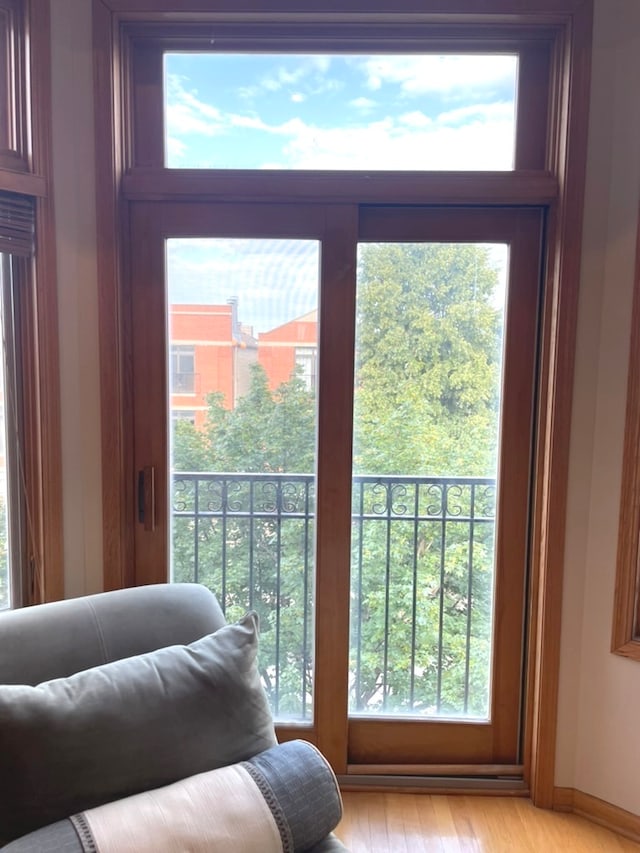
{"points": [[212, 351], [293, 343]]}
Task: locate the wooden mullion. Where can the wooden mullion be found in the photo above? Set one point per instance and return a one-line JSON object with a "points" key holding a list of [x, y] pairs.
{"points": [[333, 502], [473, 188]]}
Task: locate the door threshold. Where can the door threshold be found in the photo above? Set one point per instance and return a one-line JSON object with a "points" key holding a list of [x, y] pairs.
{"points": [[508, 787]]}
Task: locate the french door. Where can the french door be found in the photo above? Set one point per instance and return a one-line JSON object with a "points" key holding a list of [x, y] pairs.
{"points": [[333, 411]]}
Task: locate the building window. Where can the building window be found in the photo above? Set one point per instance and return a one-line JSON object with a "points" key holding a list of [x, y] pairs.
{"points": [[306, 358], [183, 416], [30, 474], [183, 361]]}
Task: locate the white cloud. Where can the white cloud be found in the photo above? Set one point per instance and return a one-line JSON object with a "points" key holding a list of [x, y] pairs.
{"points": [[251, 122], [470, 137], [283, 77], [363, 104], [389, 144], [320, 62], [478, 112], [176, 148], [297, 97], [415, 119], [431, 74]]}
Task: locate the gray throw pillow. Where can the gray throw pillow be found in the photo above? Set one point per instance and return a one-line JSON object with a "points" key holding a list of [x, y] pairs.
{"points": [[102, 734]]}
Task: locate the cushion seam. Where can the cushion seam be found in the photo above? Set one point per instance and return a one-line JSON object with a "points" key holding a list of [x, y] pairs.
{"points": [[273, 803], [83, 831], [101, 639]]}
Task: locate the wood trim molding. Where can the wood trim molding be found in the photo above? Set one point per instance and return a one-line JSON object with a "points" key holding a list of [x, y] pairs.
{"points": [[517, 9], [568, 152], [23, 182], [117, 495], [625, 638], [598, 811], [45, 434], [524, 187]]}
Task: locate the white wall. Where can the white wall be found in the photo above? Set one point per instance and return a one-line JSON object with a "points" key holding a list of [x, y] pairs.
{"points": [[598, 737], [73, 164], [598, 734]]}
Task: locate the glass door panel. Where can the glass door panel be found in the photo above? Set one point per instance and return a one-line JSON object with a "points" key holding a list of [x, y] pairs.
{"points": [[242, 337], [445, 359], [332, 417], [429, 351]]}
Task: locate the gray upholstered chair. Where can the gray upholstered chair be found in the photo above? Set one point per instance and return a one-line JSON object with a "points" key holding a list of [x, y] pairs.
{"points": [[56, 640]]}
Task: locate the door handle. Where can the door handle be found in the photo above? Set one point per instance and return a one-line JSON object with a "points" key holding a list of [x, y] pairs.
{"points": [[147, 497]]}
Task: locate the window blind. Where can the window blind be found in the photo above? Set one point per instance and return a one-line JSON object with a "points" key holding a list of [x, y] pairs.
{"points": [[17, 224]]}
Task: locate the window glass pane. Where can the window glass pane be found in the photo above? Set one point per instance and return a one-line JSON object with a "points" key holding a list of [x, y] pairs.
{"points": [[243, 424], [360, 112], [426, 433], [5, 76]]}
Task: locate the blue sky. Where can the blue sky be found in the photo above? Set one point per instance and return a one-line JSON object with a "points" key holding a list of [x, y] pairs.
{"points": [[339, 112]]}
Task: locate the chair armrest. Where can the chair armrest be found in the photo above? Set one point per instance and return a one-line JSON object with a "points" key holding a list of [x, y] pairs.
{"points": [[331, 844]]}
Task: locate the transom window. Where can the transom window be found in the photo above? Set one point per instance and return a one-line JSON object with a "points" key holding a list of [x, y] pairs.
{"points": [[339, 111]]}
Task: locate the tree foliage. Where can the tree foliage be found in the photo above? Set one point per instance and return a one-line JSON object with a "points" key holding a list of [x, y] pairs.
{"points": [[427, 385], [428, 353]]}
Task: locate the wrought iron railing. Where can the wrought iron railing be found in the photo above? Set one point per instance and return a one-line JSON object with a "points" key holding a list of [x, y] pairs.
{"points": [[421, 582]]}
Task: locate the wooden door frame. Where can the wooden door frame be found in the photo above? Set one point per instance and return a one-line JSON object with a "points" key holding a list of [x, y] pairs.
{"points": [[571, 23]]}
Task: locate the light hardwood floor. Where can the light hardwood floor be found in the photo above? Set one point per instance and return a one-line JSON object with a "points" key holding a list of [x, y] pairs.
{"points": [[421, 823]]}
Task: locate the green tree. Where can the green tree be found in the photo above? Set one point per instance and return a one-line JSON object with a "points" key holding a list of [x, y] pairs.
{"points": [[426, 403], [428, 360], [261, 562]]}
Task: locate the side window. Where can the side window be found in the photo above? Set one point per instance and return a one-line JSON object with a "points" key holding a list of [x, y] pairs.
{"points": [[30, 478]]}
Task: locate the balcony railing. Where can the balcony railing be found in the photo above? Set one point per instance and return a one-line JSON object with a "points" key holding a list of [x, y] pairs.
{"points": [[421, 583]]}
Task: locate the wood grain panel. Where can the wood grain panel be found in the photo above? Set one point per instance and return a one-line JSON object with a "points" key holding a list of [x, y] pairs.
{"points": [[625, 638], [533, 188], [333, 533]]}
